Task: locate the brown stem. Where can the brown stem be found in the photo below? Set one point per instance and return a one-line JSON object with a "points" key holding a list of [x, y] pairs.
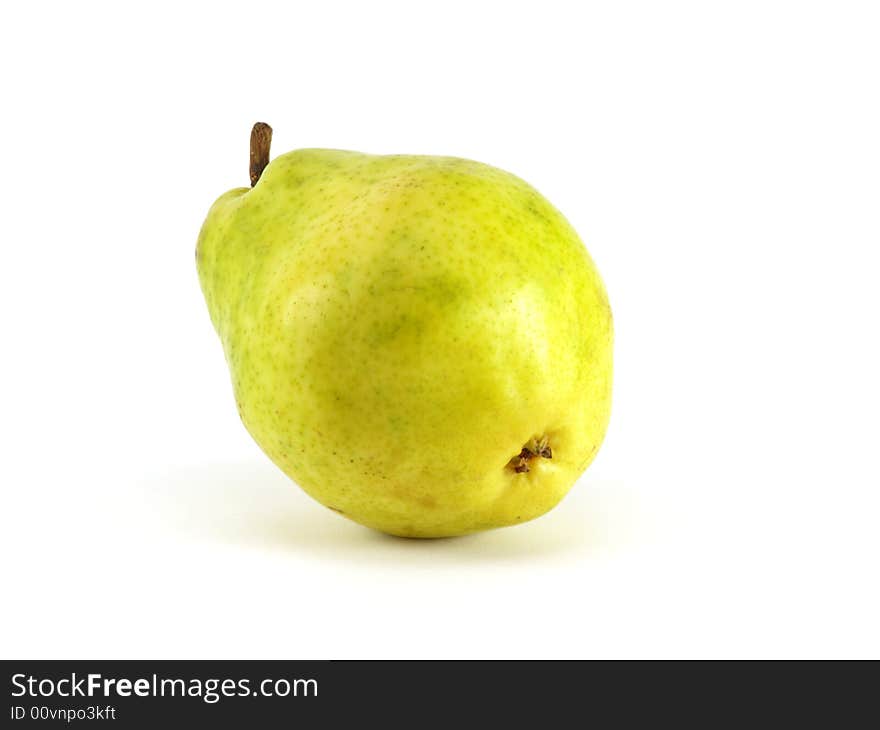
{"points": [[261, 141]]}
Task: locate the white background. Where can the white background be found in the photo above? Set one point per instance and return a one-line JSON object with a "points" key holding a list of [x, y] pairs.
{"points": [[720, 160]]}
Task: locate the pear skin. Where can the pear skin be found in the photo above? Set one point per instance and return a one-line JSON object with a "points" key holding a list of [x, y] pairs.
{"points": [[423, 344]]}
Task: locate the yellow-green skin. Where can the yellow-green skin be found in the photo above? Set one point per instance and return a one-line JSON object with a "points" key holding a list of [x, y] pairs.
{"points": [[398, 328]]}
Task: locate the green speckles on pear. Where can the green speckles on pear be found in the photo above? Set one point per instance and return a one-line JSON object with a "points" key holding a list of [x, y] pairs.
{"points": [[398, 327]]}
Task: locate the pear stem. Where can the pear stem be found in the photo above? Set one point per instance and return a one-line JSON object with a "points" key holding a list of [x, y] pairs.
{"points": [[261, 141]]}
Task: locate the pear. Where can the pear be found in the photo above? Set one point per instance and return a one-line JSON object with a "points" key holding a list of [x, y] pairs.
{"points": [[423, 344]]}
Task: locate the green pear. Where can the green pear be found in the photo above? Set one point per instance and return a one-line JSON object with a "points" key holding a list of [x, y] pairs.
{"points": [[423, 344]]}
